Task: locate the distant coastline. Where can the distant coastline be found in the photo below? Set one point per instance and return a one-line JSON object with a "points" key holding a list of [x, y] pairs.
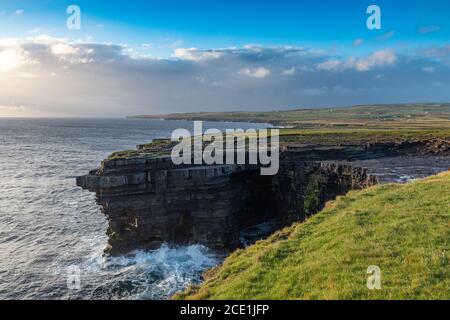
{"points": [[427, 115]]}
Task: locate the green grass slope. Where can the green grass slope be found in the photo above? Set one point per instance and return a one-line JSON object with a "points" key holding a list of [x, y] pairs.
{"points": [[403, 229]]}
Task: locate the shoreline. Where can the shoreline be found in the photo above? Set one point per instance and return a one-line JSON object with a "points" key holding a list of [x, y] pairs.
{"points": [[377, 140]]}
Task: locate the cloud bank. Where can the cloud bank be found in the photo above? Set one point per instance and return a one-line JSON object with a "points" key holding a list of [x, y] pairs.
{"points": [[50, 76]]}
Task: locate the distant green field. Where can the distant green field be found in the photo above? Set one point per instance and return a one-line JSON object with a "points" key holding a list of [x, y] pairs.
{"points": [[402, 229], [376, 116]]}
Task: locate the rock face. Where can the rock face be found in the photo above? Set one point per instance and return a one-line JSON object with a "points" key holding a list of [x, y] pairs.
{"points": [[149, 201], [303, 188]]}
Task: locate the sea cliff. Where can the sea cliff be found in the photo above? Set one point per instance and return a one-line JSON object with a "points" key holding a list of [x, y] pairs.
{"points": [[149, 201]]}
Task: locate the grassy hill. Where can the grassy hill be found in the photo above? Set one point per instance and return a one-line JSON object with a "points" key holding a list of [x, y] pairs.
{"points": [[403, 229], [421, 116]]}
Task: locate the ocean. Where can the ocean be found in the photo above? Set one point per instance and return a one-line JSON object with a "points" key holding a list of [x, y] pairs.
{"points": [[49, 226]]}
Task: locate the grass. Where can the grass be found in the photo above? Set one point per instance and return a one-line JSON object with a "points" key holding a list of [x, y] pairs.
{"points": [[403, 229], [355, 125], [407, 116], [358, 137], [317, 137]]}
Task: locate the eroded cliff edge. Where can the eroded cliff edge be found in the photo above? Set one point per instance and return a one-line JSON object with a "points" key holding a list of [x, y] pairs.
{"points": [[148, 200]]}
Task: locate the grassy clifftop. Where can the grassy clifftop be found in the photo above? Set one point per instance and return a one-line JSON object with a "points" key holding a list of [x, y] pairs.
{"points": [[403, 229]]}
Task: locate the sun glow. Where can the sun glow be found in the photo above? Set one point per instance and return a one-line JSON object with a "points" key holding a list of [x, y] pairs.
{"points": [[13, 58]]}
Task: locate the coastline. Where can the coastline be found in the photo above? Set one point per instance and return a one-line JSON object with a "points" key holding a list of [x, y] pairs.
{"points": [[303, 140]]}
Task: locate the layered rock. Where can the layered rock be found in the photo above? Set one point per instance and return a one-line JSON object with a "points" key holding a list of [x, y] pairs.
{"points": [[149, 201], [303, 188]]}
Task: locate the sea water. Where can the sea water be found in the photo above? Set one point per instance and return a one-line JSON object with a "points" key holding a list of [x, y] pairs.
{"points": [[48, 225]]}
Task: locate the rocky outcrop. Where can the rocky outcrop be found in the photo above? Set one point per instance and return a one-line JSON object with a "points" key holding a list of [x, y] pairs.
{"points": [[303, 188], [431, 146], [148, 200]]}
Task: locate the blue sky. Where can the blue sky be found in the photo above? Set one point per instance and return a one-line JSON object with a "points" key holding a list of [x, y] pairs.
{"points": [[215, 24], [160, 56]]}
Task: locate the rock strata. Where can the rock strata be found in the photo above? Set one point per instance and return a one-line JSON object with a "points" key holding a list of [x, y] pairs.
{"points": [[149, 201]]}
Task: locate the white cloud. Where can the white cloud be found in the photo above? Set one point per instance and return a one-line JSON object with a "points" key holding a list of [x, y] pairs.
{"points": [[194, 54], [290, 72], [376, 59], [64, 49], [26, 75], [36, 30], [358, 42], [436, 52], [12, 111], [387, 35], [429, 69], [9, 42], [19, 12], [378, 77], [429, 29], [259, 73], [13, 58], [194, 80], [331, 65], [13, 108], [44, 39], [176, 44], [217, 84]]}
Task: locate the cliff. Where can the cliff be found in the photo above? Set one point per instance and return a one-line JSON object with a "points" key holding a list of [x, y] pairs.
{"points": [[401, 229], [148, 200]]}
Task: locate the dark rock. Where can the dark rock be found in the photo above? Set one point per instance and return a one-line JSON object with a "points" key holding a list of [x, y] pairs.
{"points": [[148, 201]]}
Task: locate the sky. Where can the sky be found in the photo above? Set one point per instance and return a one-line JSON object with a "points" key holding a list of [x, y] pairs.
{"points": [[150, 57]]}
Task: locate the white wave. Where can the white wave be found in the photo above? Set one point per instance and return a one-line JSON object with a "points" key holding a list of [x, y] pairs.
{"points": [[155, 274]]}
